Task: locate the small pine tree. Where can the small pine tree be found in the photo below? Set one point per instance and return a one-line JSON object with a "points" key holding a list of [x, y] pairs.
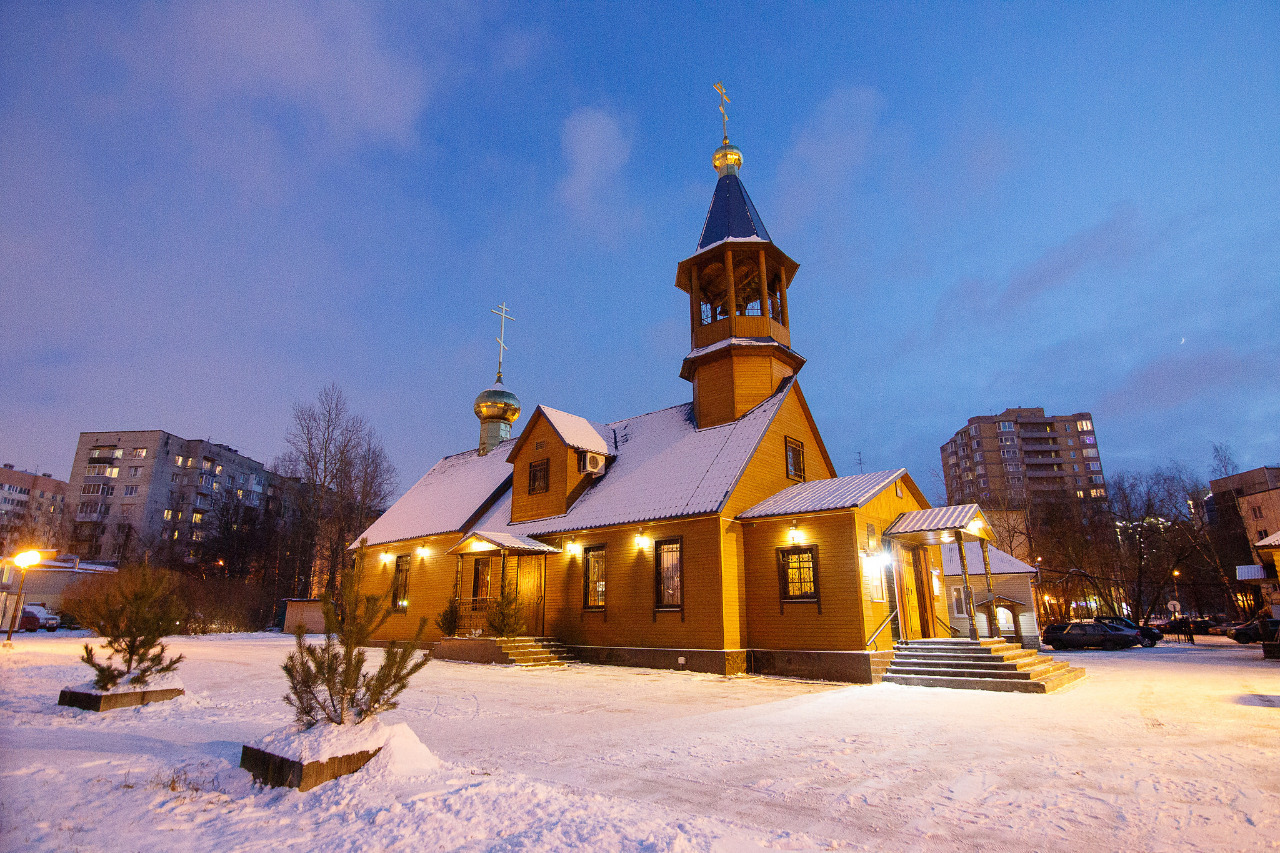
{"points": [[132, 610], [505, 617], [447, 621], [327, 682]]}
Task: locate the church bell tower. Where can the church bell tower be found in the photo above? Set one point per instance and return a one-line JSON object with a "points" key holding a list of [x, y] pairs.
{"points": [[737, 280]]}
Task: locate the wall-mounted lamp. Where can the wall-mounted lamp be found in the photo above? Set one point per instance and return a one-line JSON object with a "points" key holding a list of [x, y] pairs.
{"points": [[424, 551], [793, 534], [386, 557], [642, 541], [573, 547], [948, 537], [974, 527]]}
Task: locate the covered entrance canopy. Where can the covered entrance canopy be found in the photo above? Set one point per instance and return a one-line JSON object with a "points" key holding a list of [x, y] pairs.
{"points": [[493, 561], [946, 524]]}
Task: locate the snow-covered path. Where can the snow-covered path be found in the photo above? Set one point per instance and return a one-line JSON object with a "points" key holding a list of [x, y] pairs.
{"points": [[1172, 748]]}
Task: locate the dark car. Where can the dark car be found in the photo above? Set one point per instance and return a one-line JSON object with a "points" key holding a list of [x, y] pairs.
{"points": [[1186, 625], [1258, 629], [34, 617], [1090, 635], [1150, 636]]}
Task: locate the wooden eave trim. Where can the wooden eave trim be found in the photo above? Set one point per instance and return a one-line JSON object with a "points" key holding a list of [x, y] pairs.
{"points": [[776, 349], [528, 430], [783, 516], [582, 531], [776, 255], [817, 434]]}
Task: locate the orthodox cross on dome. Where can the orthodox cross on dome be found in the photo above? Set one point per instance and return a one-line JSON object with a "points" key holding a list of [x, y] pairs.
{"points": [[724, 116], [501, 311]]}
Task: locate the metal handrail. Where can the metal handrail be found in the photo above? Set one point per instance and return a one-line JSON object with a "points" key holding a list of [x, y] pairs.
{"points": [[883, 625], [954, 631]]}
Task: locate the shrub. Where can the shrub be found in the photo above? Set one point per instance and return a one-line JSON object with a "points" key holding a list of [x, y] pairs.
{"points": [[132, 610], [327, 682], [447, 621], [505, 617]]}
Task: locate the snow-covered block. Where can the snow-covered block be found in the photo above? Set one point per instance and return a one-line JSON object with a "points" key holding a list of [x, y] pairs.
{"points": [[86, 697], [304, 759]]}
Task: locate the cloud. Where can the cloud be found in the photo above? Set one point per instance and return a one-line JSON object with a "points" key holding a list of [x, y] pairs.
{"points": [[828, 152], [1172, 380], [595, 151]]}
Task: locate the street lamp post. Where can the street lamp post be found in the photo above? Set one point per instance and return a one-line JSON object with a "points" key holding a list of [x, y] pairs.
{"points": [[23, 561], [1176, 574]]}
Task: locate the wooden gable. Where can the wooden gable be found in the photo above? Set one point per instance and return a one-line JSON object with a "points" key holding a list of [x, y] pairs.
{"points": [[766, 472], [540, 446]]}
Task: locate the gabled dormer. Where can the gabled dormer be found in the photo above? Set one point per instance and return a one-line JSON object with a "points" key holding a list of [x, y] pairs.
{"points": [[555, 460]]}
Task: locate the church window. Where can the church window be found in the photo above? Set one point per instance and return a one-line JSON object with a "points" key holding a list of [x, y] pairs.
{"points": [[798, 573], [539, 476], [593, 577], [795, 460], [668, 574], [400, 585]]}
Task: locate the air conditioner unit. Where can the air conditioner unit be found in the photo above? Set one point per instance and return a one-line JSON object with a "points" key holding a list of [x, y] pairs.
{"points": [[591, 463]]}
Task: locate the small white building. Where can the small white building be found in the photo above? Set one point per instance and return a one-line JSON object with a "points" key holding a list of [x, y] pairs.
{"points": [[1012, 585]]}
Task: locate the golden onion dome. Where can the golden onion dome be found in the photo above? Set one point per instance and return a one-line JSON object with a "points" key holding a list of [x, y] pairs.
{"points": [[727, 159], [497, 403]]}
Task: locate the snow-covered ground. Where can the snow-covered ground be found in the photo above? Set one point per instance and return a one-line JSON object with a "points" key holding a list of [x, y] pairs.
{"points": [[1172, 748]]}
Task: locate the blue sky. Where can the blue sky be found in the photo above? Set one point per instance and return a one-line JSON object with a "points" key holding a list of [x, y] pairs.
{"points": [[208, 211]]}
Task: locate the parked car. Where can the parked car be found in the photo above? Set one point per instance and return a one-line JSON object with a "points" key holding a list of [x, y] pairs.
{"points": [[35, 617], [1090, 635], [1224, 630], [1258, 629], [1186, 625], [1149, 636]]}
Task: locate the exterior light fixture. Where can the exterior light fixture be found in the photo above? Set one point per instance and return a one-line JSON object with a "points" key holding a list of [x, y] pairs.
{"points": [[573, 547], [424, 551], [948, 537], [23, 561], [974, 527], [642, 541], [404, 602], [387, 557], [794, 535]]}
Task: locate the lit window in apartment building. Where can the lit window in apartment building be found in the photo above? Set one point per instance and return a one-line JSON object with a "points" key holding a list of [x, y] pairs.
{"points": [[197, 517], [178, 460], [1080, 493], [1090, 452], [1097, 493], [1088, 439], [139, 453], [1084, 426], [118, 453], [168, 515], [1007, 440], [217, 469], [968, 475], [1005, 426], [113, 471], [91, 489], [206, 464], [95, 471]]}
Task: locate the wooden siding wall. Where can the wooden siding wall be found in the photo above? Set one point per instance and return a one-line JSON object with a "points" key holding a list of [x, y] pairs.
{"points": [[728, 387], [628, 618], [431, 582], [766, 473], [774, 624]]}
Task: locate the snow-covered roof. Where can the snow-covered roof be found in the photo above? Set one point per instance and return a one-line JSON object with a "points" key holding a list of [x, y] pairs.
{"points": [[578, 432], [937, 518], [446, 497], [503, 539], [1272, 541], [819, 495], [1001, 563], [738, 342], [665, 468]]}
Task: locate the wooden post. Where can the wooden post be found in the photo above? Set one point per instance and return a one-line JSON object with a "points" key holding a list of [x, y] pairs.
{"points": [[695, 308], [733, 293], [968, 591], [991, 594], [782, 294], [764, 290]]}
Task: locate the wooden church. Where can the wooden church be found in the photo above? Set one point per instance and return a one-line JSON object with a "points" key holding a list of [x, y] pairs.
{"points": [[712, 536]]}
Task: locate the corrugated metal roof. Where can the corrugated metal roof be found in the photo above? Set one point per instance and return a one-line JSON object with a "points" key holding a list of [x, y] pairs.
{"points": [[503, 539], [938, 518], [445, 497], [664, 467], [1001, 563], [731, 215], [1270, 542], [819, 495], [580, 433]]}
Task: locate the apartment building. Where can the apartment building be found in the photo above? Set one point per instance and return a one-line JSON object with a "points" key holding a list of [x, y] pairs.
{"points": [[152, 493], [1255, 496], [1021, 457], [31, 510]]}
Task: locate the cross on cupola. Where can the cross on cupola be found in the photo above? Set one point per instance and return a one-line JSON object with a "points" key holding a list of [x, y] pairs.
{"points": [[737, 280], [496, 407]]}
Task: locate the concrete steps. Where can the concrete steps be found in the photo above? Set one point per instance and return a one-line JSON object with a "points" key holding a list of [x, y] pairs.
{"points": [[533, 651], [991, 664]]}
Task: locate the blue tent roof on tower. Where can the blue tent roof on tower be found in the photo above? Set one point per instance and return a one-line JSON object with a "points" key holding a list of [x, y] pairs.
{"points": [[732, 215]]}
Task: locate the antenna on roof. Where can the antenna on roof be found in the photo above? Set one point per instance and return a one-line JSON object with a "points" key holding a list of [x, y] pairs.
{"points": [[860, 471], [501, 311]]}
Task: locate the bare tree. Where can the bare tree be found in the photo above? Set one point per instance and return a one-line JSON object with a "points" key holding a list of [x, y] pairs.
{"points": [[345, 477]]}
